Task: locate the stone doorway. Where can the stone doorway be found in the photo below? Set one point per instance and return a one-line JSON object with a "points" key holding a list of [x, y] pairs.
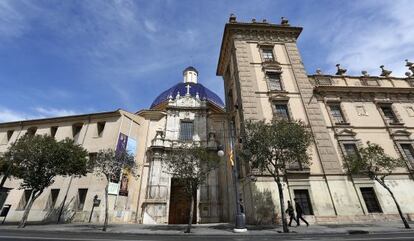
{"points": [[180, 204]]}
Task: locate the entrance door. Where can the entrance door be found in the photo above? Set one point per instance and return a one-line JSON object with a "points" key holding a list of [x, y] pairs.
{"points": [[180, 204]]}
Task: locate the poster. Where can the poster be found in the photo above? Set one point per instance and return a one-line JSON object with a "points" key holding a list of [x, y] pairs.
{"points": [[131, 146]]}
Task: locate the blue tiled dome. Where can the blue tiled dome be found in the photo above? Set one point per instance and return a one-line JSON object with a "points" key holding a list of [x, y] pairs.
{"points": [[202, 91]]}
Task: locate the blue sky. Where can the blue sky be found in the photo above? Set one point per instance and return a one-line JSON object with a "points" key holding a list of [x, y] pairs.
{"points": [[69, 57]]}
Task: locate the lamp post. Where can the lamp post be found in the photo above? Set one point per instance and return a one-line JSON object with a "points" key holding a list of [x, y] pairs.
{"points": [[96, 203], [240, 217]]}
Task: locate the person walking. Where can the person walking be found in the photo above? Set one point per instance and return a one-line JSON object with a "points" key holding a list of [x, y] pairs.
{"points": [[299, 213], [291, 213]]}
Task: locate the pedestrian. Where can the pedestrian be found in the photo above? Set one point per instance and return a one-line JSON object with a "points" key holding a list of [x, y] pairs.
{"points": [[291, 213], [299, 213]]}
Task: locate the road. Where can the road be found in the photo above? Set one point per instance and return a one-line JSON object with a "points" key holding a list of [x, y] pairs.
{"points": [[13, 235]]}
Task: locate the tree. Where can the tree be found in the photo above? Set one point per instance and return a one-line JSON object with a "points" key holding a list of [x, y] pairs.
{"points": [[272, 147], [191, 165], [37, 160], [373, 162], [111, 164]]}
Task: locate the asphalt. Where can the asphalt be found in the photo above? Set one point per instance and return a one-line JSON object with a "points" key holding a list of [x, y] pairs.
{"points": [[217, 229]]}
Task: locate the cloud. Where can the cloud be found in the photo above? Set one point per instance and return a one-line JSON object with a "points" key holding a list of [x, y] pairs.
{"points": [[370, 34], [7, 115], [52, 112]]}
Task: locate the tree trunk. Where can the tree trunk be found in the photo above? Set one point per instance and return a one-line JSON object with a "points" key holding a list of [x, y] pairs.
{"points": [[106, 207], [395, 201], [282, 205], [3, 180], [23, 222], [190, 218]]}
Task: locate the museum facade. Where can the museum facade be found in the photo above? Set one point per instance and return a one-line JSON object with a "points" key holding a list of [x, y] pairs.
{"points": [[264, 78]]}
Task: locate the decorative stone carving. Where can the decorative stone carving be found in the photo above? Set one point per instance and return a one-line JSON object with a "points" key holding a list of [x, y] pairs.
{"points": [[284, 21], [385, 72], [340, 71]]}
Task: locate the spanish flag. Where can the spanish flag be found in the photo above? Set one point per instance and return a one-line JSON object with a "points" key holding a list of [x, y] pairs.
{"points": [[231, 157]]}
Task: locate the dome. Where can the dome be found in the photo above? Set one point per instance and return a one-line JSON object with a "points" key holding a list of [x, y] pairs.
{"points": [[195, 88]]}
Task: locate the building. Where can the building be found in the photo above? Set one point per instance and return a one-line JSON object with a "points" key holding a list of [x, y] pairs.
{"points": [[264, 78]]}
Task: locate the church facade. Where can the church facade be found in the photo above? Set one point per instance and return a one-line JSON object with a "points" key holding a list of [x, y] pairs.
{"points": [[264, 78]]}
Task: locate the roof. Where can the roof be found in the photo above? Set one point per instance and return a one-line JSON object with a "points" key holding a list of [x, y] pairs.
{"points": [[202, 91], [190, 68]]}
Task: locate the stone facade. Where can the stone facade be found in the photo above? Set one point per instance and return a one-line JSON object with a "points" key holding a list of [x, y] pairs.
{"points": [[264, 78]]}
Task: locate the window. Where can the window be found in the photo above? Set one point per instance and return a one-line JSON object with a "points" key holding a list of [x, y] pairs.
{"points": [[361, 110], [31, 131], [389, 114], [267, 54], [100, 127], [9, 134], [53, 131], [81, 198], [186, 131], [351, 150], [336, 113], [274, 81], [92, 156], [54, 193], [25, 199], [304, 201], [370, 200], [408, 152], [282, 112], [76, 129]]}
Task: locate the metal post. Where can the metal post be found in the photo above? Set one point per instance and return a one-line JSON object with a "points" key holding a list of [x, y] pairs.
{"points": [[240, 217], [94, 203]]}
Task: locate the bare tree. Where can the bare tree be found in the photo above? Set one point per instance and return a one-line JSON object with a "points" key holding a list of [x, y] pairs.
{"points": [[191, 165], [110, 163], [373, 162]]}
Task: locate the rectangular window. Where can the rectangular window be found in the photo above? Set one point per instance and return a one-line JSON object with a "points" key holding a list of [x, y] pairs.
{"points": [[370, 200], [304, 201], [53, 131], [336, 113], [9, 134], [25, 199], [408, 152], [282, 112], [54, 193], [274, 81], [351, 150], [186, 131], [76, 129], [100, 127], [267, 55], [31, 131], [81, 198], [389, 114]]}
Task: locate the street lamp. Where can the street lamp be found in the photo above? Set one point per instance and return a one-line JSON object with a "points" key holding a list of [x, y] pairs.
{"points": [[240, 217], [96, 203]]}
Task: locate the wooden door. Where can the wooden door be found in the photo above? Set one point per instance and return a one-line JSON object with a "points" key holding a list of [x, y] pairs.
{"points": [[179, 204]]}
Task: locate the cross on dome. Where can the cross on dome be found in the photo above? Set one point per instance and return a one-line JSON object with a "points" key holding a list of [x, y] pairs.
{"points": [[188, 89]]}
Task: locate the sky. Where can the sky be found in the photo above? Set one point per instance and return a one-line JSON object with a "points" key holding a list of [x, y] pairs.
{"points": [[70, 57]]}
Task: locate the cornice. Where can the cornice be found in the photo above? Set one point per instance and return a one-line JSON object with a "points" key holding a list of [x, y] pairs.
{"points": [[365, 93], [268, 33]]}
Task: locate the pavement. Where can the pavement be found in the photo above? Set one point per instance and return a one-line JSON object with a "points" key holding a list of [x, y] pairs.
{"points": [[217, 229]]}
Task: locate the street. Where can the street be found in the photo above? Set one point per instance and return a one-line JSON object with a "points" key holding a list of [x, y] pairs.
{"points": [[7, 235]]}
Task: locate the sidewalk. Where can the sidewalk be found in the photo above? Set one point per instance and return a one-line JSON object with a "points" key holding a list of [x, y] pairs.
{"points": [[217, 229]]}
